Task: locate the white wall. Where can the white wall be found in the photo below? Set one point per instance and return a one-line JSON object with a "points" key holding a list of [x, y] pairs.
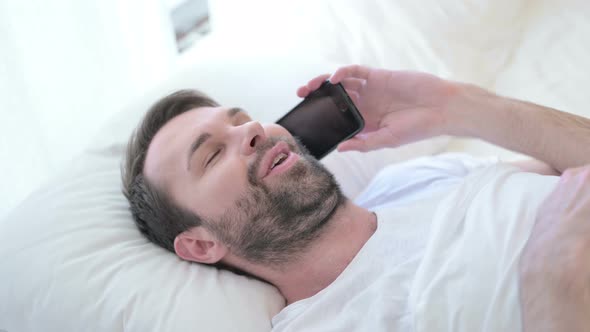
{"points": [[65, 67]]}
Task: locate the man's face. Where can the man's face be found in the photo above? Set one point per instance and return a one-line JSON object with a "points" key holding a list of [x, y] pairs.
{"points": [[256, 189]]}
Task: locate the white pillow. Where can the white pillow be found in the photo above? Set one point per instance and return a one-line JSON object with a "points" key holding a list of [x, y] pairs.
{"points": [[73, 260]]}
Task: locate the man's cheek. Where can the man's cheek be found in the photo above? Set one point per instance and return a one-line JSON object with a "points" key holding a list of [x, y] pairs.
{"points": [[225, 192], [276, 130]]}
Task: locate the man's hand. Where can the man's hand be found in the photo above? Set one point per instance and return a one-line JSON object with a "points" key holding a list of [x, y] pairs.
{"points": [[399, 107], [555, 264]]}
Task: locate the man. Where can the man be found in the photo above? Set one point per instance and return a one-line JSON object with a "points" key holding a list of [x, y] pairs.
{"points": [[216, 187]]}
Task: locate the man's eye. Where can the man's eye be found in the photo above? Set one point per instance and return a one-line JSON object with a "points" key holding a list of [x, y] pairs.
{"points": [[213, 156]]}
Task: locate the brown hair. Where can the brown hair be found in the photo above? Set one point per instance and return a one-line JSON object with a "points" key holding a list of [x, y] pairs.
{"points": [[156, 215]]}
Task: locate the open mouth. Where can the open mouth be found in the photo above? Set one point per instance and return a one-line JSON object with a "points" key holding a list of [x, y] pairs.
{"points": [[277, 160]]}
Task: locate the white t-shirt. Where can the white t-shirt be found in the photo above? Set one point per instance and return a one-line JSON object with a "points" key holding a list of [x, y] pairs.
{"points": [[371, 294]]}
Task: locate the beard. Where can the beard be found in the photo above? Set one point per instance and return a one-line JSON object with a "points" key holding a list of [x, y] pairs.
{"points": [[274, 224]]}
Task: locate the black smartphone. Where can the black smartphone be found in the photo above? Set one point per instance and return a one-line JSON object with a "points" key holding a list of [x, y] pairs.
{"points": [[326, 117]]}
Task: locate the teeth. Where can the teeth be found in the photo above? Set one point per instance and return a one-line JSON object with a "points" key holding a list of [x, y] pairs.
{"points": [[278, 159]]}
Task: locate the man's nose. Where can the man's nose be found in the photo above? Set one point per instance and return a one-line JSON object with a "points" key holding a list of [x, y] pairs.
{"points": [[253, 136]]}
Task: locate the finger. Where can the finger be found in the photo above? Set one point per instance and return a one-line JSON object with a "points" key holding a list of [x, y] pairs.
{"points": [[315, 83], [354, 96], [351, 83], [577, 170], [368, 141], [357, 71], [353, 144], [575, 178], [572, 174], [303, 91]]}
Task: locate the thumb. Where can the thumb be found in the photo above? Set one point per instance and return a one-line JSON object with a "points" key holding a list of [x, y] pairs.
{"points": [[364, 142]]}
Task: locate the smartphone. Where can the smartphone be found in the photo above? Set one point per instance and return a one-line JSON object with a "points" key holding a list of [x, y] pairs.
{"points": [[325, 118]]}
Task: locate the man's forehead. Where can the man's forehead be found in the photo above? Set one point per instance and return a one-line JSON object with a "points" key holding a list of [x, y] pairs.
{"points": [[201, 115], [165, 147], [184, 124], [197, 118]]}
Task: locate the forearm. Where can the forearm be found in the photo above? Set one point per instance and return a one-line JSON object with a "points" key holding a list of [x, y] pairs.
{"points": [[560, 139]]}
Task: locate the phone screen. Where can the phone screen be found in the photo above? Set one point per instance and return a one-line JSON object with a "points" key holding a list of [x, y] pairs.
{"points": [[323, 119]]}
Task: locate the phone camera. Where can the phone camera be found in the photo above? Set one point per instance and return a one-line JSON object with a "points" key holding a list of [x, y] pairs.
{"points": [[342, 107]]}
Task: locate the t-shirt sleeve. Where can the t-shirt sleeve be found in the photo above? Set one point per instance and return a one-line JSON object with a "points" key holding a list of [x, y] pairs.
{"points": [[419, 178], [463, 164]]}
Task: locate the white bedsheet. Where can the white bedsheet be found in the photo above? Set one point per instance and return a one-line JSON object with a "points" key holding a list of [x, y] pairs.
{"points": [[468, 278]]}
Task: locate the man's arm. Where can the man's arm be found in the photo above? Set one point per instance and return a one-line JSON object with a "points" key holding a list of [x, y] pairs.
{"points": [[560, 139]]}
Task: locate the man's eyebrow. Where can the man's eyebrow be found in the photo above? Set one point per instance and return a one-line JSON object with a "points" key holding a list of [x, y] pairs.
{"points": [[235, 110], [193, 148]]}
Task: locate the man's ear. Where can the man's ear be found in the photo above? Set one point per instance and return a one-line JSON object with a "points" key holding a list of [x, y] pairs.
{"points": [[199, 245]]}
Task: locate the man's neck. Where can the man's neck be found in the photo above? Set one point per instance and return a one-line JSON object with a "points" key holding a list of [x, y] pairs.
{"points": [[344, 236]]}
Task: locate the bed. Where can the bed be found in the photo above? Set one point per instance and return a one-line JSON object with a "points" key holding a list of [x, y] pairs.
{"points": [[71, 258]]}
